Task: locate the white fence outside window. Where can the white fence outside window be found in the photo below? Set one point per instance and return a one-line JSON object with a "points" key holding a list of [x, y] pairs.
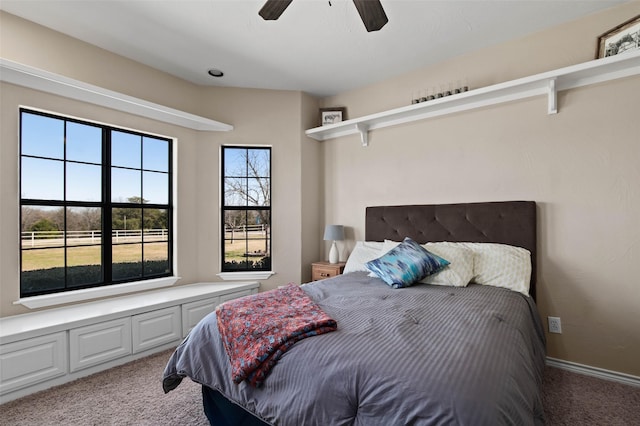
{"points": [[39, 239]]}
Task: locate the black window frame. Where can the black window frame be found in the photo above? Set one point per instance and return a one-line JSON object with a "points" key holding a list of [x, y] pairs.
{"points": [[261, 264], [106, 205]]}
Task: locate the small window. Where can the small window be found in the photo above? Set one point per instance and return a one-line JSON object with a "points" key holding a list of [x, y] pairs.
{"points": [[246, 208], [95, 205]]}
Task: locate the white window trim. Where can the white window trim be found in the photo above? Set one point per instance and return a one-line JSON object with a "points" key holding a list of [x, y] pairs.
{"points": [[54, 299], [82, 295], [245, 276], [241, 275]]}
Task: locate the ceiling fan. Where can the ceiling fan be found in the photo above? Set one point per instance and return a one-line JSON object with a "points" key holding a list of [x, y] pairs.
{"points": [[371, 12]]}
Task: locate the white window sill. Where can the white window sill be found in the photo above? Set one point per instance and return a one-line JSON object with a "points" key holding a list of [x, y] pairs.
{"points": [[94, 293], [244, 276]]}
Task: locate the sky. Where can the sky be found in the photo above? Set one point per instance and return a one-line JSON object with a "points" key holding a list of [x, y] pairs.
{"points": [[140, 164]]}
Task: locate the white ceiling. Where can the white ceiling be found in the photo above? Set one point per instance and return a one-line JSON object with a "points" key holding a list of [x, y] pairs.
{"points": [[317, 46]]}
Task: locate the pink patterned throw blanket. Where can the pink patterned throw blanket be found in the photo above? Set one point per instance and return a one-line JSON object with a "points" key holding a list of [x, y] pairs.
{"points": [[256, 330]]}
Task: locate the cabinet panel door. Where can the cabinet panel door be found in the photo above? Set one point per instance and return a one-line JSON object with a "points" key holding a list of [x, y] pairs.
{"points": [[156, 328], [32, 361], [231, 296], [193, 312], [98, 343]]}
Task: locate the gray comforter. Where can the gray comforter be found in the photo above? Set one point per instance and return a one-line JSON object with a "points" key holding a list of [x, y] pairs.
{"points": [[423, 355]]}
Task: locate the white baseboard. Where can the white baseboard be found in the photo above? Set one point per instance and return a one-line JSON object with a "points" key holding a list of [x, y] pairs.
{"points": [[600, 373]]}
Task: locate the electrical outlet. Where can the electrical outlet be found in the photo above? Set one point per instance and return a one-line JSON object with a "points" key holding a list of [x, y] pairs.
{"points": [[555, 326]]}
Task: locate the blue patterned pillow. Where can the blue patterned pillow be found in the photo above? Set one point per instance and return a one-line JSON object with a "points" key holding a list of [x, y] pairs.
{"points": [[406, 264]]}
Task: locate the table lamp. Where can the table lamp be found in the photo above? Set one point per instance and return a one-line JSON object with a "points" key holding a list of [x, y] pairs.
{"points": [[334, 233]]}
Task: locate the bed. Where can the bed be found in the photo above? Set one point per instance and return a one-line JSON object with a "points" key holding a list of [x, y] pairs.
{"points": [[419, 355]]}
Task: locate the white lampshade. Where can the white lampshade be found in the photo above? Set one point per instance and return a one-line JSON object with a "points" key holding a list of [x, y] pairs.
{"points": [[334, 232]]}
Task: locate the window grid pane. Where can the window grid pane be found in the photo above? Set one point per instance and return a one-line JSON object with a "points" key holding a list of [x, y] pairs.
{"points": [[126, 149], [42, 136], [64, 212], [83, 182], [155, 154], [84, 143], [42, 179], [246, 211]]}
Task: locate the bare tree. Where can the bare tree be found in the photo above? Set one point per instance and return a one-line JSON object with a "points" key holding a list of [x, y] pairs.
{"points": [[32, 215], [249, 186], [255, 190], [84, 219], [233, 219]]}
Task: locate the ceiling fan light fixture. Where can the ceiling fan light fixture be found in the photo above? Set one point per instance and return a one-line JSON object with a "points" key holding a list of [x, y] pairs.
{"points": [[272, 9], [371, 12], [214, 72]]}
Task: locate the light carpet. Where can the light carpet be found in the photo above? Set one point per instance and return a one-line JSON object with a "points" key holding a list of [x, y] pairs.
{"points": [[132, 394]]}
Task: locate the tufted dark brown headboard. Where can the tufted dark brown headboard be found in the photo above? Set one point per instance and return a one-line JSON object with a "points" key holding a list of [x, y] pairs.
{"points": [[506, 222]]}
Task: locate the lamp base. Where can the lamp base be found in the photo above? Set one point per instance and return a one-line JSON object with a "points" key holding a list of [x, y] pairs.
{"points": [[333, 253]]}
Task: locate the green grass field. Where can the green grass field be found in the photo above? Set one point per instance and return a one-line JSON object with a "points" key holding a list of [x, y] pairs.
{"points": [[124, 253], [237, 249], [89, 255]]}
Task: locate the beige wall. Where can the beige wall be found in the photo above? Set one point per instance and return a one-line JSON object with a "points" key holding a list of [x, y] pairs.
{"points": [[313, 218], [37, 46], [275, 118], [260, 117], [582, 166], [12, 97]]}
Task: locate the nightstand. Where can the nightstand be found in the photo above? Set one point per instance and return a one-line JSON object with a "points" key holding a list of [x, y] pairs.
{"points": [[322, 270]]}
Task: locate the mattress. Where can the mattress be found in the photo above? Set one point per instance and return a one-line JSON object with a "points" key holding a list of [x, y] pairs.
{"points": [[422, 355]]}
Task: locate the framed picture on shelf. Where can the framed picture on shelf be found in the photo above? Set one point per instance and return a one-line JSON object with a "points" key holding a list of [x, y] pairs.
{"points": [[623, 38], [332, 115]]}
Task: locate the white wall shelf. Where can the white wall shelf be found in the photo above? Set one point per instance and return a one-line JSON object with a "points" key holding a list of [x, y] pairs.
{"points": [[35, 78], [548, 84]]}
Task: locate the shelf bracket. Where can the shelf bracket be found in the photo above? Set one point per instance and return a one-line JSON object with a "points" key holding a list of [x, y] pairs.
{"points": [[364, 134], [553, 97]]}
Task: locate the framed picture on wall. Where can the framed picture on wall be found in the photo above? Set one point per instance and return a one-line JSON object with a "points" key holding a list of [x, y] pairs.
{"points": [[623, 38], [332, 115]]}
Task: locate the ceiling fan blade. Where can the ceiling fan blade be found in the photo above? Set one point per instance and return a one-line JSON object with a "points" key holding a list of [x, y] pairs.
{"points": [[372, 14], [272, 9]]}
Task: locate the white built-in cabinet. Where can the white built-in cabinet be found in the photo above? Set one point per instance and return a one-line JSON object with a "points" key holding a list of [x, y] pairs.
{"points": [[193, 312], [98, 343], [46, 348], [33, 360], [156, 328]]}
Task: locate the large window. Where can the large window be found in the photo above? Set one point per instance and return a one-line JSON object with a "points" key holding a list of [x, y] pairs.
{"points": [[246, 208], [95, 205]]}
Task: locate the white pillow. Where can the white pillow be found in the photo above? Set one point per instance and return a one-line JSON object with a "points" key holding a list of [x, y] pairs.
{"points": [[363, 252], [501, 265], [458, 273]]}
